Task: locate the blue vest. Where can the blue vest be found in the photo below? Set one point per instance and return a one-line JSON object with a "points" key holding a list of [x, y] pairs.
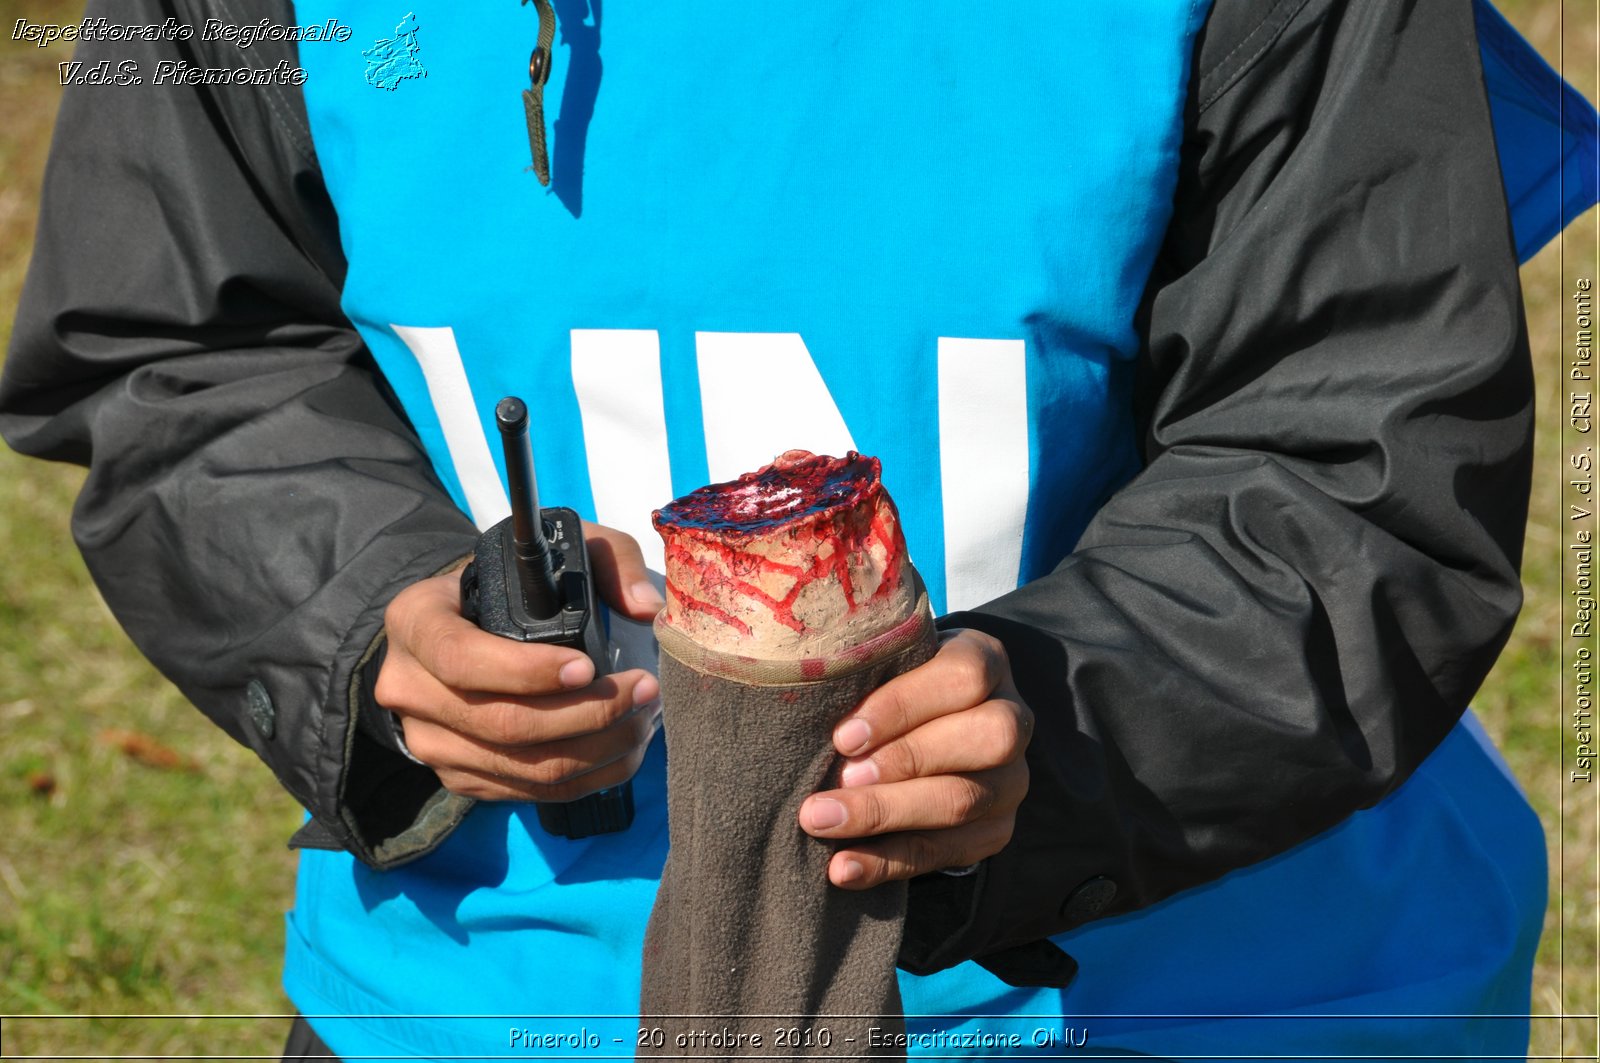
{"points": [[828, 226]]}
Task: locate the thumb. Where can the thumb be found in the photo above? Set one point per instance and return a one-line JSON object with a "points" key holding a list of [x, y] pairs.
{"points": [[619, 572]]}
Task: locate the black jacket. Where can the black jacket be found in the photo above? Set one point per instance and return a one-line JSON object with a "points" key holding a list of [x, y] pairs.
{"points": [[1268, 629]]}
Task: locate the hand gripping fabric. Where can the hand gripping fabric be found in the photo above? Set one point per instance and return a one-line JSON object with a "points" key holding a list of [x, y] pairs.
{"points": [[748, 938]]}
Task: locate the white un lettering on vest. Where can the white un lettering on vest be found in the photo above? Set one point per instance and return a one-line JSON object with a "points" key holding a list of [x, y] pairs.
{"points": [[617, 377]]}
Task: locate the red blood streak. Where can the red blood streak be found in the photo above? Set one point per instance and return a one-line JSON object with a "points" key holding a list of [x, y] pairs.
{"points": [[709, 609], [800, 496], [892, 560]]}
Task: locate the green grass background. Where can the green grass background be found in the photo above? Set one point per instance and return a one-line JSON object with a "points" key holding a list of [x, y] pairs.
{"points": [[129, 890]]}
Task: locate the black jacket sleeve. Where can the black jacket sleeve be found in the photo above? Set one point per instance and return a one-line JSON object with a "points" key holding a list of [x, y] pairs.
{"points": [[252, 500], [1286, 611]]}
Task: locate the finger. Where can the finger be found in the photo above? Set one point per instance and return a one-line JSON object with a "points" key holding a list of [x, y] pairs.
{"points": [[902, 856], [424, 622], [510, 721], [938, 803], [964, 672], [488, 787], [551, 717], [545, 764], [985, 736], [620, 574]]}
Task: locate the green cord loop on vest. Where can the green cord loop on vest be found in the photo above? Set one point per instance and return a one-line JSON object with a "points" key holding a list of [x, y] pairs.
{"points": [[533, 97]]}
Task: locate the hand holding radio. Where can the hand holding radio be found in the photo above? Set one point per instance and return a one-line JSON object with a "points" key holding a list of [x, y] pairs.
{"points": [[501, 720]]}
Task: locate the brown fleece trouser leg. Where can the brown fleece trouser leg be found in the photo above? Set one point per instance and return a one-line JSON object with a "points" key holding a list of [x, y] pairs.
{"points": [[747, 936]]}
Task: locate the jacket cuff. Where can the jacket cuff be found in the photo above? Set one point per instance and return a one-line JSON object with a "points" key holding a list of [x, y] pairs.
{"points": [[389, 808], [1040, 884]]}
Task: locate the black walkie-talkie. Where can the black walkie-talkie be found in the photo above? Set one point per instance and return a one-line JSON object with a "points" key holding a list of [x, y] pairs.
{"points": [[530, 581]]}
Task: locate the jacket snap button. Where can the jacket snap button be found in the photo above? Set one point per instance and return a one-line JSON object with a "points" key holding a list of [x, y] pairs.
{"points": [[262, 713], [1089, 900]]}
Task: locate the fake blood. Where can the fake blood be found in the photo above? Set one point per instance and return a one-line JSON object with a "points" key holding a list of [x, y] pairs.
{"points": [[810, 507], [797, 485]]}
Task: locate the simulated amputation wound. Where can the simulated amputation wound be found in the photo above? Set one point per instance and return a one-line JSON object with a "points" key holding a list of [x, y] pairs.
{"points": [[804, 558], [789, 599]]}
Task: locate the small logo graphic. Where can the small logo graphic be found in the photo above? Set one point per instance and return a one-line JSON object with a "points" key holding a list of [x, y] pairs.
{"points": [[392, 61]]}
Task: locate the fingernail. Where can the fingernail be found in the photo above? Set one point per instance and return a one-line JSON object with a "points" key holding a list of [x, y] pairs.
{"points": [[859, 773], [852, 737], [577, 673], [851, 871], [823, 813], [644, 592], [645, 691]]}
